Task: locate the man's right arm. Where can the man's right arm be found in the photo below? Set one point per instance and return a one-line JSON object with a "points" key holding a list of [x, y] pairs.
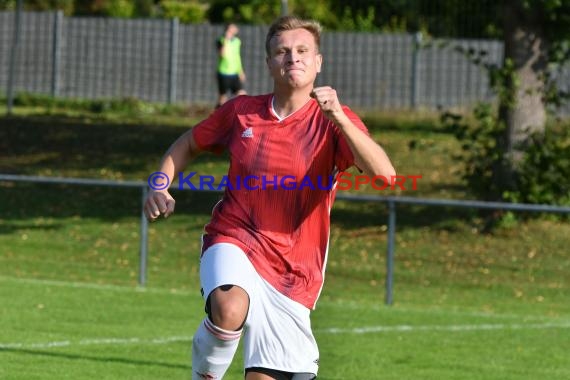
{"points": [[176, 158]]}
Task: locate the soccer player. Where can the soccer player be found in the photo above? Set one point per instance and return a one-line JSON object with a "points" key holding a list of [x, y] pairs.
{"points": [[265, 248]]}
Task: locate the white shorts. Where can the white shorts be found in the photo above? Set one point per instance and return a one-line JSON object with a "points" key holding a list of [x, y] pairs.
{"points": [[277, 332]]}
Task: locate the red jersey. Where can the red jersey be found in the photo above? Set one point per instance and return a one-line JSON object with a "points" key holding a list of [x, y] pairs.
{"points": [[280, 188]]}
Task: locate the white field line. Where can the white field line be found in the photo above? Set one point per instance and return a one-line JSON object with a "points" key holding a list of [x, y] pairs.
{"points": [[433, 311], [356, 330], [448, 328], [95, 342], [88, 285]]}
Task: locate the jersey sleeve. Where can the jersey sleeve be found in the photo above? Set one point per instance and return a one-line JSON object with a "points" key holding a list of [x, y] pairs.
{"points": [[344, 158], [213, 133]]}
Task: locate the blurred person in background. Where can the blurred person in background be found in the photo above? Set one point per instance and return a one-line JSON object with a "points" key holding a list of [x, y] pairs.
{"points": [[230, 74]]}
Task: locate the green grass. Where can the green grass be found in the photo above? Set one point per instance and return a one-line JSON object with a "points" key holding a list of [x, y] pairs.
{"points": [[468, 305], [65, 330]]}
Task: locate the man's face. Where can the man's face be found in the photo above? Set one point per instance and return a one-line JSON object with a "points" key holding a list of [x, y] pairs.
{"points": [[294, 59], [232, 31]]}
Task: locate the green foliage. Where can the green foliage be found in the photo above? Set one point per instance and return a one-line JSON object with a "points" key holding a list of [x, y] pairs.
{"points": [[481, 151], [244, 12], [318, 10], [555, 17], [544, 176], [505, 82], [67, 6], [8, 5], [348, 18], [362, 21], [106, 8], [445, 18], [118, 8], [483, 142], [189, 12], [127, 107], [144, 8]]}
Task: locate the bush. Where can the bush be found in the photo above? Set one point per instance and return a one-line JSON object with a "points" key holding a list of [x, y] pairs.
{"points": [[188, 12], [481, 150], [543, 175]]}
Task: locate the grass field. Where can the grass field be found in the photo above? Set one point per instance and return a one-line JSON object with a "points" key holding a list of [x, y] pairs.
{"points": [[468, 305]]}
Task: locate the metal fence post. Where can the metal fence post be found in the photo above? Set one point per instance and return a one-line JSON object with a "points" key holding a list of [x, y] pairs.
{"points": [[173, 61], [284, 8], [143, 241], [56, 52], [415, 93], [390, 251], [13, 55]]}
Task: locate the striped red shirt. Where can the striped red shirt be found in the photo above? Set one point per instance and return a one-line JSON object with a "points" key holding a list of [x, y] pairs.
{"points": [[281, 217]]}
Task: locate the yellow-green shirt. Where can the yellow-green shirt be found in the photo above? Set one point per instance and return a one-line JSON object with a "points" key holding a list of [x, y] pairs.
{"points": [[230, 62]]}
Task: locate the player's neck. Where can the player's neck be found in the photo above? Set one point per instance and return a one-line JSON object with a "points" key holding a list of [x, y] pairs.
{"points": [[284, 104]]}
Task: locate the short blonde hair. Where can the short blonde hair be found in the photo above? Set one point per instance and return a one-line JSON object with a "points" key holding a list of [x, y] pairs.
{"points": [[290, 23]]}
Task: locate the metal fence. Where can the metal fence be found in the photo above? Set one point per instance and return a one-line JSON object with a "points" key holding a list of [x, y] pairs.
{"points": [[391, 202], [164, 61]]}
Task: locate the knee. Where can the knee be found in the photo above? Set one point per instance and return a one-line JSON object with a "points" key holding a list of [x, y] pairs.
{"points": [[227, 307]]}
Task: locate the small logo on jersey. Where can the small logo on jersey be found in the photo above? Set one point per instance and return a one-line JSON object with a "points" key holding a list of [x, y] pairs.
{"points": [[247, 133]]}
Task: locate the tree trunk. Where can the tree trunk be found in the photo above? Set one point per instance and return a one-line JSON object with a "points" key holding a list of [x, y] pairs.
{"points": [[526, 46], [521, 108]]}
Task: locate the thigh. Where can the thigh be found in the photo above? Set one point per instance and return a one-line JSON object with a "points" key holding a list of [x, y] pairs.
{"points": [[278, 334], [226, 264]]}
